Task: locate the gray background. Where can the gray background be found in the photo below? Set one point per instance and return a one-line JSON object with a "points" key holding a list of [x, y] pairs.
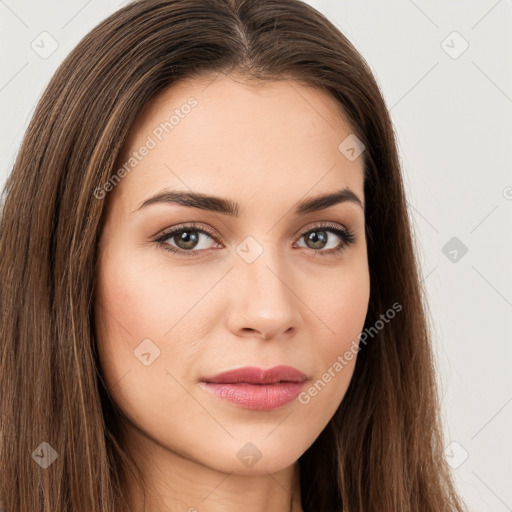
{"points": [[451, 108]]}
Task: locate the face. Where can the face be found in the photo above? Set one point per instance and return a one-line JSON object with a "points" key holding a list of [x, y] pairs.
{"points": [[250, 279]]}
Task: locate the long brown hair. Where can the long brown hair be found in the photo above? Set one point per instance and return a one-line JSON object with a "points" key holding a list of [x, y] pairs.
{"points": [[382, 450]]}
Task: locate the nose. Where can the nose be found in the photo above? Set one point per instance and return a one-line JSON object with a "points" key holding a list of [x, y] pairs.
{"points": [[263, 302]]}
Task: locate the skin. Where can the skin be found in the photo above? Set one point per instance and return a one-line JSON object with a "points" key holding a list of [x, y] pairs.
{"points": [[266, 146]]}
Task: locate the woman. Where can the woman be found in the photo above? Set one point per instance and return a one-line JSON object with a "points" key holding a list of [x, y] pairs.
{"points": [[210, 295]]}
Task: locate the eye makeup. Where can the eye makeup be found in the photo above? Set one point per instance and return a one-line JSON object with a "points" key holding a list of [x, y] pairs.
{"points": [[195, 231]]}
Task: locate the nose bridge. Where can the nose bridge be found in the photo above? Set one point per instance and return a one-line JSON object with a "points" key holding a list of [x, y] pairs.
{"points": [[262, 297], [264, 270]]}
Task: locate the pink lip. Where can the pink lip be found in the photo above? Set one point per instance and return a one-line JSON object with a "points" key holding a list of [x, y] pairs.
{"points": [[255, 375], [255, 388]]}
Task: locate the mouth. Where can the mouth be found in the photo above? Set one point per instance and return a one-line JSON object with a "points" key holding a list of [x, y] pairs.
{"points": [[255, 388], [255, 375]]}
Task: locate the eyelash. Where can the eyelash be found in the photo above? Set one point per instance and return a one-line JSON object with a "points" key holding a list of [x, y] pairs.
{"points": [[346, 235]]}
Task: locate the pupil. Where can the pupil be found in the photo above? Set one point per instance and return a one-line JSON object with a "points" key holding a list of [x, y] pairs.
{"points": [[186, 240], [318, 241]]}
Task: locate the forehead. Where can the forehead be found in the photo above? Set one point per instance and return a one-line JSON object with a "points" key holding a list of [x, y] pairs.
{"points": [[221, 135]]}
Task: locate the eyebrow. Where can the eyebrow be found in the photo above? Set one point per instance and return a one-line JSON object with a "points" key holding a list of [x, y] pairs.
{"points": [[228, 207]]}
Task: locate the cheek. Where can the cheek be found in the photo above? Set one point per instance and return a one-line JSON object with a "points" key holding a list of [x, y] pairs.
{"points": [[342, 302], [341, 305], [144, 314], [136, 305], [144, 299]]}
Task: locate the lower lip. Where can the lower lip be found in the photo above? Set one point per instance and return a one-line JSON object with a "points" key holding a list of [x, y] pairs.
{"points": [[262, 397]]}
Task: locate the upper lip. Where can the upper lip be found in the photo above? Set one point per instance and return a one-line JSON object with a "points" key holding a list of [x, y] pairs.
{"points": [[255, 375]]}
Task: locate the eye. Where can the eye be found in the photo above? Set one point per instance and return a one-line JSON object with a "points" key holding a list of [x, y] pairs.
{"points": [[186, 238], [190, 240], [324, 235]]}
